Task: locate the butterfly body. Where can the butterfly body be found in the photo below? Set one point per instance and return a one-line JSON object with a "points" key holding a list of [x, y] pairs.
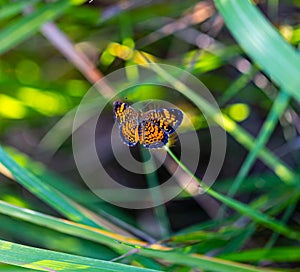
{"points": [[152, 129]]}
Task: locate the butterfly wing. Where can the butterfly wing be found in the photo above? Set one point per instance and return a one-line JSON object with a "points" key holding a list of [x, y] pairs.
{"points": [[152, 136], [129, 132], [127, 118], [152, 129], [166, 119], [122, 112]]}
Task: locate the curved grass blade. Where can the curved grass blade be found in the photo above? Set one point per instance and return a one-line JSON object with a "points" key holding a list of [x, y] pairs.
{"points": [[68, 227], [53, 240], [279, 254], [237, 85], [205, 263], [44, 191], [109, 217], [124, 244], [241, 135], [14, 8], [22, 29], [243, 208], [46, 260], [263, 43], [268, 127], [257, 216], [236, 243], [286, 216]]}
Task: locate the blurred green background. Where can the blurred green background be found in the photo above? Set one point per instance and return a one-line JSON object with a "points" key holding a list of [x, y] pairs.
{"points": [[245, 52]]}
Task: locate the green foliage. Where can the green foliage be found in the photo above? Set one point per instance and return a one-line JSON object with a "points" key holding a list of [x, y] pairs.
{"points": [[45, 45]]}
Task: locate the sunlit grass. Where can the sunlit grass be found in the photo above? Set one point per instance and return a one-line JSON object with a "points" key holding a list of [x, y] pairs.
{"points": [[255, 79]]}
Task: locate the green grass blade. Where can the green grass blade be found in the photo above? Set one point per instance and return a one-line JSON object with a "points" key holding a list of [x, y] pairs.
{"points": [[12, 268], [201, 235], [284, 198], [257, 216], [46, 260], [268, 127], [242, 136], [237, 85], [45, 192], [107, 215], [238, 242], [279, 254], [22, 29], [53, 240], [121, 243], [273, 6], [159, 210], [14, 8], [205, 263], [64, 226], [263, 43], [286, 216], [244, 209]]}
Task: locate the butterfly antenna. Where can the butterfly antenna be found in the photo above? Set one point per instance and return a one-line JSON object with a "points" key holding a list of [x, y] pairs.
{"points": [[146, 105]]}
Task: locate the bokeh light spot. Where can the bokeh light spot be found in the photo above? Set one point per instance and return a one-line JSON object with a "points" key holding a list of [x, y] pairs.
{"points": [[77, 88], [239, 112], [45, 102], [11, 107], [27, 71], [106, 58]]}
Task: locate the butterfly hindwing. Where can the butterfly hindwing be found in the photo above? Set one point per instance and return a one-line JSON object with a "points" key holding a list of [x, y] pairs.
{"points": [[167, 119], [152, 136]]}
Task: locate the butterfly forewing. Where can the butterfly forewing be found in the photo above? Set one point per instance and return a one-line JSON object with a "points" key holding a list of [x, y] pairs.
{"points": [[129, 132], [123, 112], [127, 118]]}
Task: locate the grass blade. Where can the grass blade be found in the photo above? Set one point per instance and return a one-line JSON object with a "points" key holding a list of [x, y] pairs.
{"points": [[243, 208], [242, 136], [68, 227], [15, 8], [263, 43], [159, 210], [111, 217], [286, 216], [27, 26], [45, 192], [124, 244], [205, 263], [46, 260], [237, 85], [291, 254], [268, 127]]}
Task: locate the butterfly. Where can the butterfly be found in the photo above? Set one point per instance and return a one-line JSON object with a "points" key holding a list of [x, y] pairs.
{"points": [[152, 129]]}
